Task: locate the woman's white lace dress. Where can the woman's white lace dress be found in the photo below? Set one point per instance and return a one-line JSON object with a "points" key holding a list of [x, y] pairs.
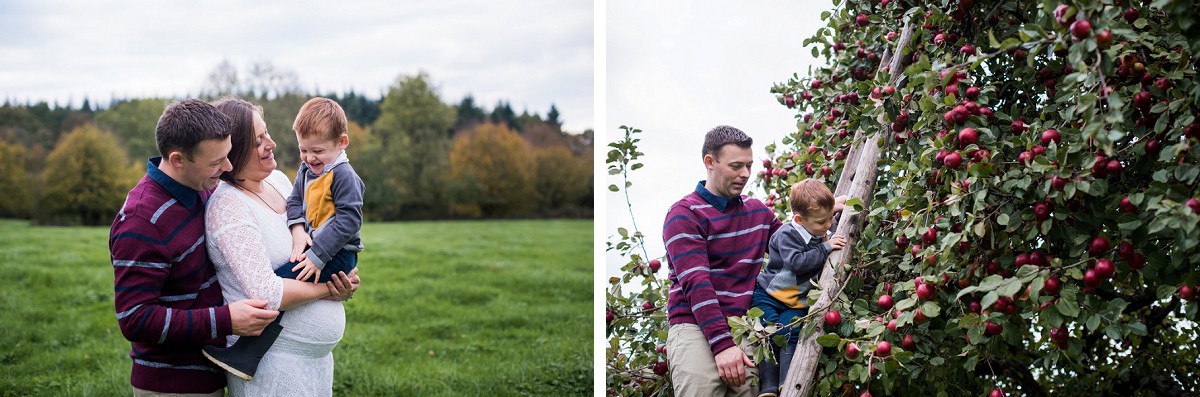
{"points": [[246, 242]]}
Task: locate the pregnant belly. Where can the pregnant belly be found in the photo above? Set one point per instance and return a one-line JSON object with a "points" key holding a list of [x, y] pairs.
{"points": [[318, 324]]}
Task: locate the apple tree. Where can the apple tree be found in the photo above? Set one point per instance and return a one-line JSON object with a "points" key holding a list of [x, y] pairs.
{"points": [[635, 303], [1030, 225]]}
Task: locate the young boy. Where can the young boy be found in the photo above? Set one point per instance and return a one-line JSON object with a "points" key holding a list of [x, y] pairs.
{"points": [[797, 254], [325, 208]]}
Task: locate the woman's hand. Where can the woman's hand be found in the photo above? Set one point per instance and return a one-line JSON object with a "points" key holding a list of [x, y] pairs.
{"points": [[342, 286]]}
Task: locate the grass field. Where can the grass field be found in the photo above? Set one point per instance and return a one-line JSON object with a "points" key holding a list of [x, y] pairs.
{"points": [[493, 308]]}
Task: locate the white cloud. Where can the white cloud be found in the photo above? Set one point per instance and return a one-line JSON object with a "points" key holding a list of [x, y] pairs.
{"points": [[530, 53]]}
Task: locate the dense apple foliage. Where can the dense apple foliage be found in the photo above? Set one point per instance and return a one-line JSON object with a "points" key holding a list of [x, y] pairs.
{"points": [[1030, 230], [1039, 174]]}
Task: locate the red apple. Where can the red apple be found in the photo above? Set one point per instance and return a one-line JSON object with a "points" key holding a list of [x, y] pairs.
{"points": [[1091, 279], [816, 84], [953, 160], [1080, 29], [992, 329], [863, 21], [1050, 136], [1058, 183], [1098, 246], [1104, 39], [655, 265], [1126, 205], [1186, 292], [1105, 269], [891, 325], [919, 317], [968, 136], [972, 92], [974, 307], [1017, 127], [1194, 204], [1041, 211], [883, 349], [926, 291], [660, 368], [929, 237], [833, 318], [996, 393], [967, 50], [1131, 15], [852, 351], [1138, 261], [647, 305], [885, 302], [1022, 259], [908, 344], [1113, 168], [1052, 286], [608, 318]]}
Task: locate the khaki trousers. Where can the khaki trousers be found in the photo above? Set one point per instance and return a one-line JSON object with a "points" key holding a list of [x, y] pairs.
{"points": [[694, 370]]}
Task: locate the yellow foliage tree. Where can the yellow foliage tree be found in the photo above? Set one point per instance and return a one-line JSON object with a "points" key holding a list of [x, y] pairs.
{"points": [[86, 177], [561, 179], [492, 172], [15, 200]]}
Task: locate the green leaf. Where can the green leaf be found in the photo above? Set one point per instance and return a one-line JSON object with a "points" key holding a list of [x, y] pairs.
{"points": [[613, 188], [1068, 307], [829, 340], [1093, 322], [930, 309], [1002, 219], [854, 202], [989, 299]]}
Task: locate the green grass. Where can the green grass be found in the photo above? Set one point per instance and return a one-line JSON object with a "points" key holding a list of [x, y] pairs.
{"points": [[446, 308]]}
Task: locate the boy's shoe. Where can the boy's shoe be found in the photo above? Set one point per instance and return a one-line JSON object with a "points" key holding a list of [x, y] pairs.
{"points": [[785, 362], [243, 357], [768, 374]]}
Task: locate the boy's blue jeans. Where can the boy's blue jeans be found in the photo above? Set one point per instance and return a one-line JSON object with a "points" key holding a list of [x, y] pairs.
{"points": [[776, 312], [343, 261]]}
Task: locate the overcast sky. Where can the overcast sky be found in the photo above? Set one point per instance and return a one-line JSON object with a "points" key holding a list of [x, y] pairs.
{"points": [[676, 69], [531, 53]]}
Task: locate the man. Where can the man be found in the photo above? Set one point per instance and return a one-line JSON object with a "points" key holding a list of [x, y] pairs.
{"points": [[715, 239], [168, 301]]}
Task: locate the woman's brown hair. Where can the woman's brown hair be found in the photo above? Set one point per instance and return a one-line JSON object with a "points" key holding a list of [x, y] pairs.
{"points": [[242, 136]]}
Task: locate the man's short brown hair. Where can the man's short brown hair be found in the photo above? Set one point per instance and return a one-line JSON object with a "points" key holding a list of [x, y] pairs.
{"points": [[184, 124], [723, 135], [320, 118], [810, 195]]}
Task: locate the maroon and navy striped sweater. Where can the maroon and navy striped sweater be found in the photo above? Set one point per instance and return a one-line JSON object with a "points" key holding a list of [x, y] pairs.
{"points": [[168, 300], [715, 248]]}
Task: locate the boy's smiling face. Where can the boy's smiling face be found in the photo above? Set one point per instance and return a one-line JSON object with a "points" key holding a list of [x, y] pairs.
{"points": [[818, 221], [317, 152]]}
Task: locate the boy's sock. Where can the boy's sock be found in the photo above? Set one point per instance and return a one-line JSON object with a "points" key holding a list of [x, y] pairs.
{"points": [[768, 374], [243, 357], [785, 361]]}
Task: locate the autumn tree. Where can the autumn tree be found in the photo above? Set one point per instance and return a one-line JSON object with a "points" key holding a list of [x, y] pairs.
{"points": [[560, 180], [16, 198], [496, 171], [86, 178], [412, 130]]}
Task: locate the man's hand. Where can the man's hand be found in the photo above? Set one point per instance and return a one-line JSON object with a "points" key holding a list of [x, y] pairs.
{"points": [[250, 316], [300, 242], [342, 286], [731, 365], [837, 242], [307, 269]]}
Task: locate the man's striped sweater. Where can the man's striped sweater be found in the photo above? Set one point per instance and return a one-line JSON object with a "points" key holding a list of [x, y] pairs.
{"points": [[168, 301], [715, 248]]}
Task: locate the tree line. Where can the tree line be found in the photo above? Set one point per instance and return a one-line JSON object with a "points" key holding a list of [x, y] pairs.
{"points": [[420, 157]]}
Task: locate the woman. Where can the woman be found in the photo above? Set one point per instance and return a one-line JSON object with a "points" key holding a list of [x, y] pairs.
{"points": [[248, 237]]}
